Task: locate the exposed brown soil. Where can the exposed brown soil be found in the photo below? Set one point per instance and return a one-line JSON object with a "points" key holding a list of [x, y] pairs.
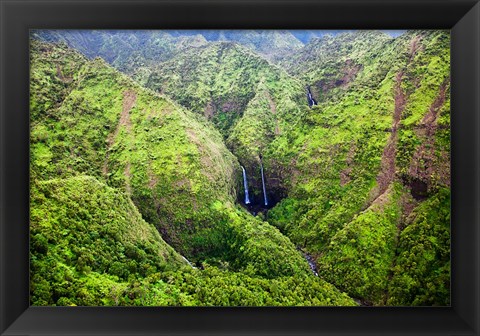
{"points": [[408, 204], [183, 184], [209, 110], [60, 75], [388, 166], [349, 72], [430, 119], [382, 200], [425, 164], [415, 46], [413, 49], [129, 99], [231, 106]]}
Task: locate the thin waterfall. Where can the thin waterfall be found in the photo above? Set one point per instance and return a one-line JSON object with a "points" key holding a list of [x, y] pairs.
{"points": [[245, 186], [263, 185], [311, 101], [311, 263], [188, 262]]}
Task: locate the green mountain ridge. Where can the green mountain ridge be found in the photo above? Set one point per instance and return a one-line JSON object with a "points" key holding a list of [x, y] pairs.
{"points": [[110, 130], [361, 181], [250, 100], [124, 50], [104, 235], [360, 147], [144, 48], [271, 44], [216, 80]]}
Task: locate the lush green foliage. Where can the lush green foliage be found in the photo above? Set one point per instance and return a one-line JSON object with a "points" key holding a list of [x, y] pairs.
{"points": [[362, 179], [150, 151], [359, 256], [421, 275], [217, 80], [126, 50], [350, 150], [213, 287], [79, 226]]}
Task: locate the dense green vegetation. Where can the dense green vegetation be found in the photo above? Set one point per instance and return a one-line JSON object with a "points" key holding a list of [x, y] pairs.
{"points": [[126, 50], [82, 228], [131, 171], [423, 264], [218, 80], [365, 141]]}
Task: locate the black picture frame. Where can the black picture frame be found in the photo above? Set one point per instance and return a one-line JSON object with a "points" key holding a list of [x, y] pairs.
{"points": [[18, 16]]}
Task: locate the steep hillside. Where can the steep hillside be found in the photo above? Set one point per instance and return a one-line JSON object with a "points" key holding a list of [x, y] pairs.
{"points": [[250, 100], [331, 63], [101, 126], [271, 44], [217, 81], [373, 152], [85, 232], [90, 246], [338, 155], [110, 128], [125, 50]]}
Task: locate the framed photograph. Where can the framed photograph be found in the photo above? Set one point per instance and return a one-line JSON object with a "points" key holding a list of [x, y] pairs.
{"points": [[232, 167]]}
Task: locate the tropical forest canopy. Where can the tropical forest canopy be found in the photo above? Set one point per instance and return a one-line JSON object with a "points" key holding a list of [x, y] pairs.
{"points": [[240, 168]]}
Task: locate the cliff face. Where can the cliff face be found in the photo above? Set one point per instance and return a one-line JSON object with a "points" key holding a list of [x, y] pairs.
{"points": [[108, 127], [360, 180], [372, 157], [107, 154]]}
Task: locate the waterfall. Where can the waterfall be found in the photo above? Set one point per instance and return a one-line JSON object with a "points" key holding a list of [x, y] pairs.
{"points": [[263, 185], [311, 101], [188, 262], [245, 186], [311, 263]]}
